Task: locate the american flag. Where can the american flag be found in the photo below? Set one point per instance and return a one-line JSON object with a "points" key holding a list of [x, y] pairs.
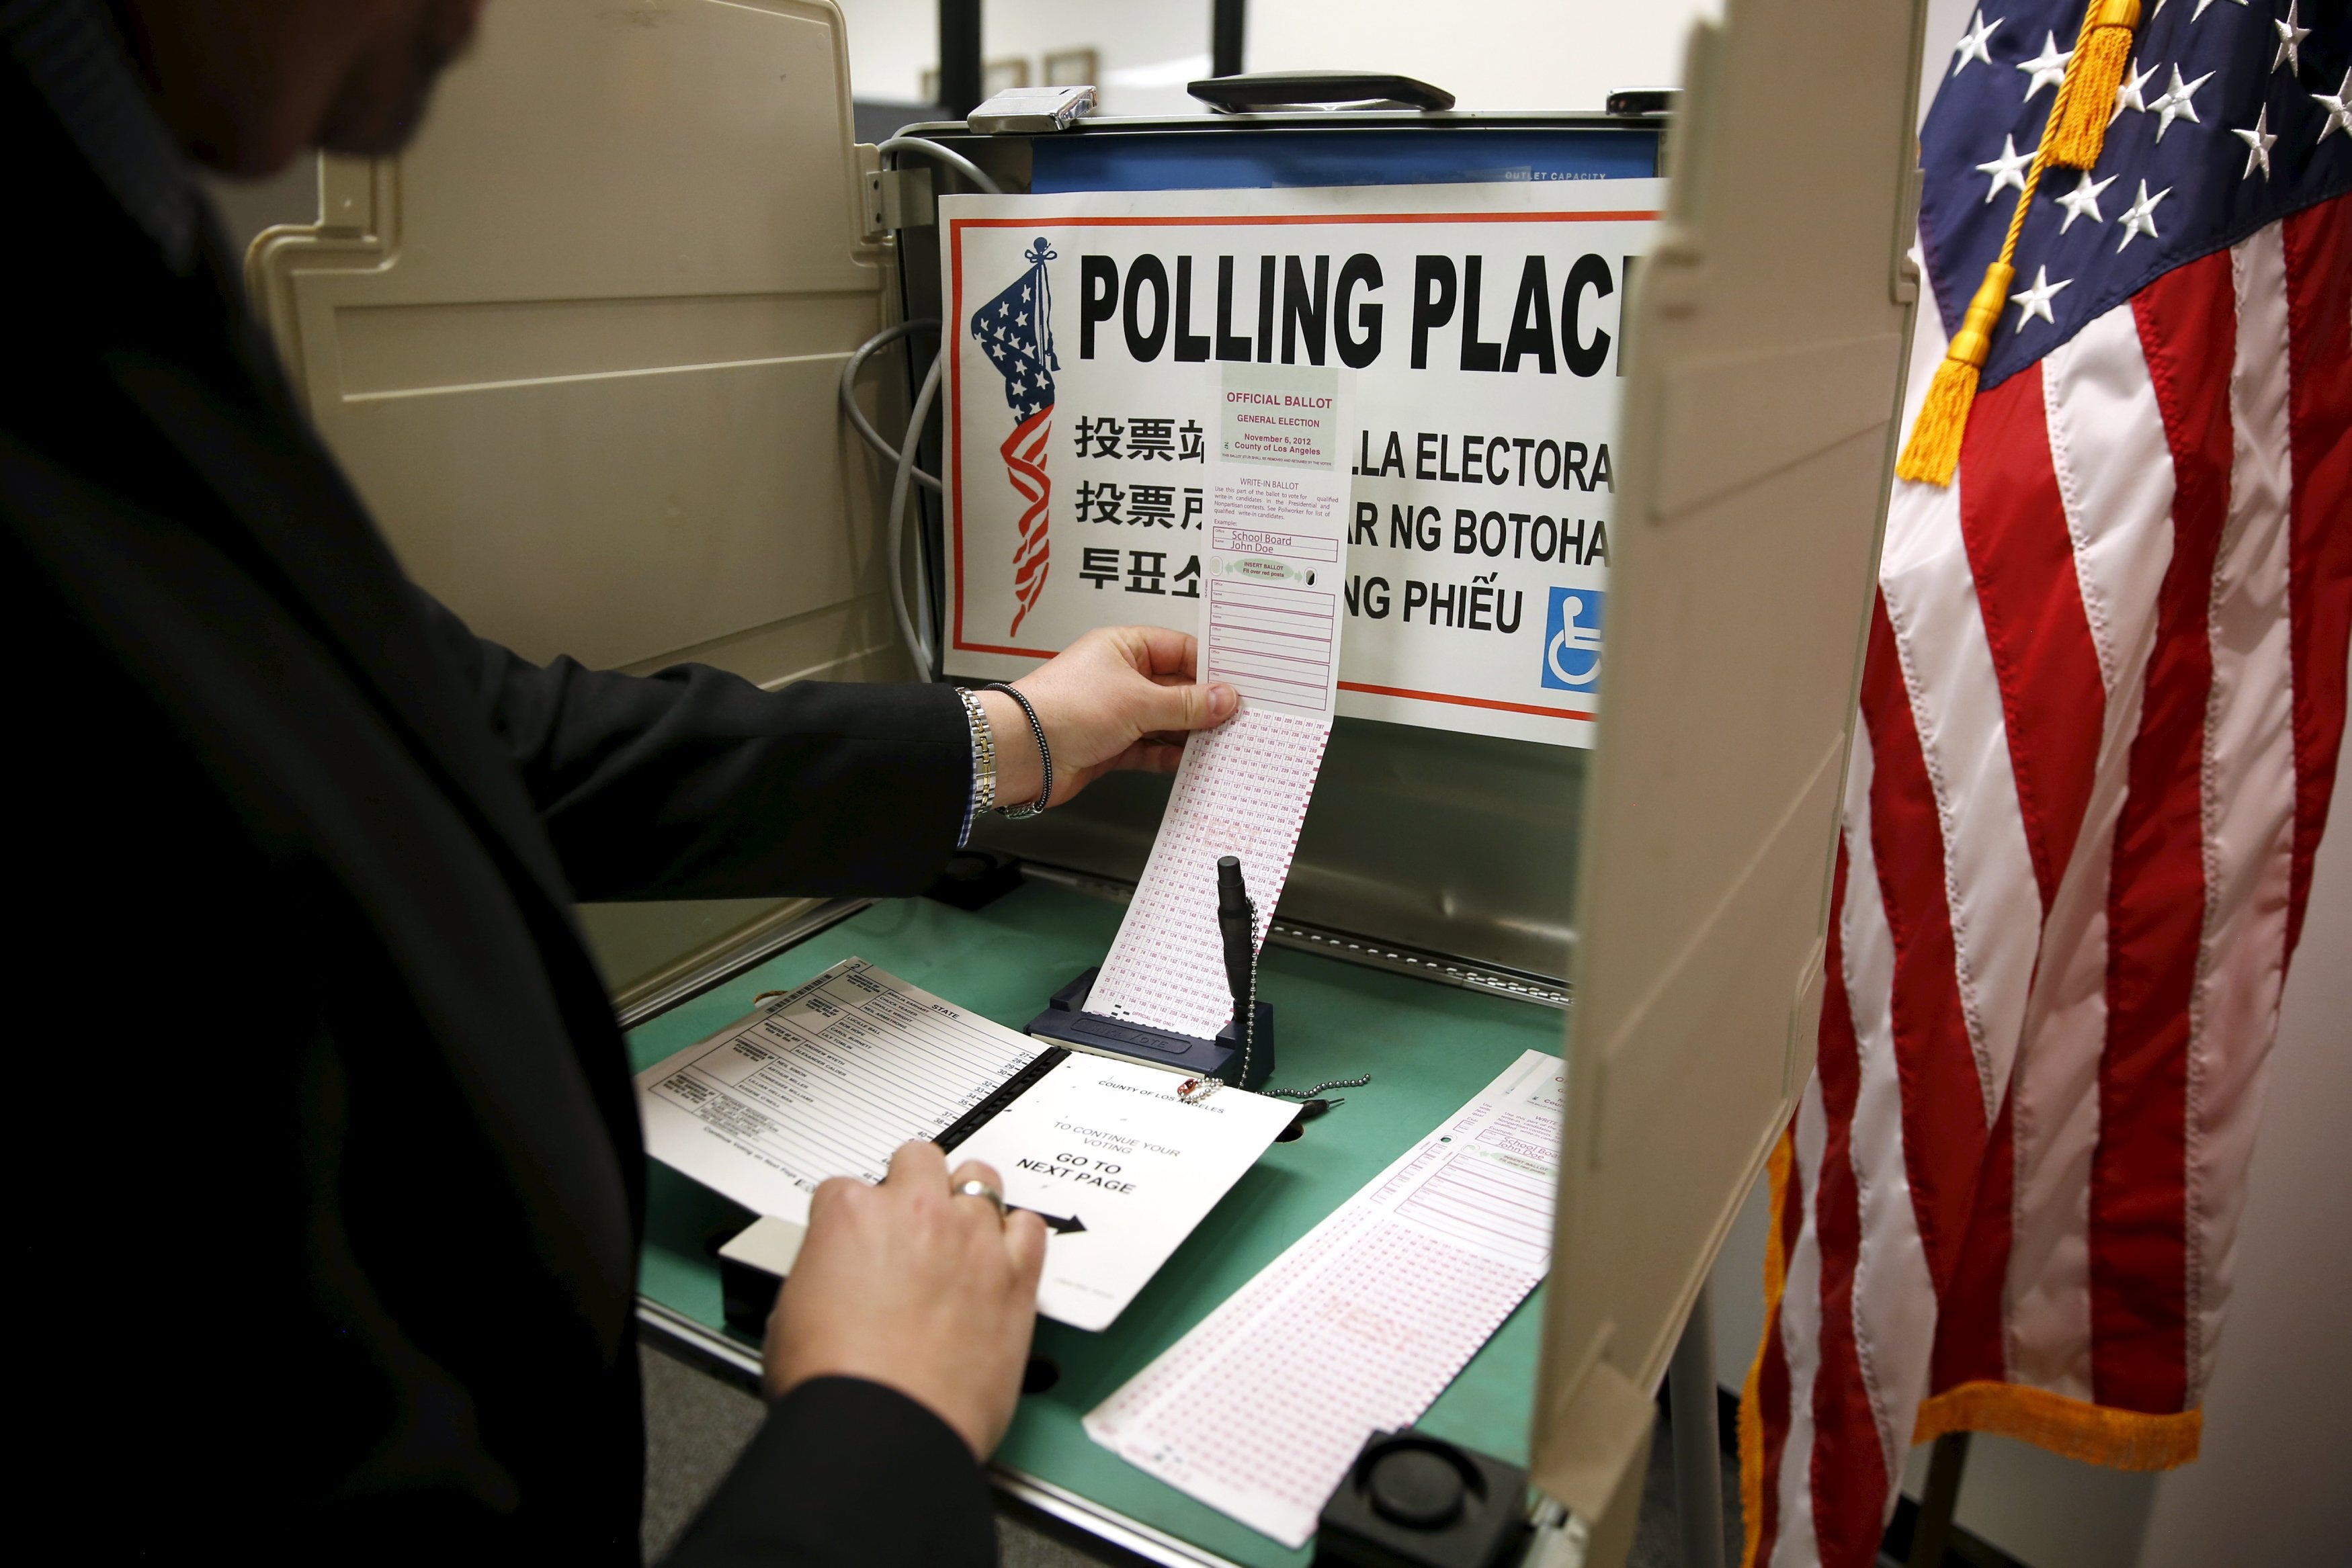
{"points": [[2100, 712], [1016, 332]]}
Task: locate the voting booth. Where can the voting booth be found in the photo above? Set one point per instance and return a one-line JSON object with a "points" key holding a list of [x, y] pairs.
{"points": [[581, 346]]}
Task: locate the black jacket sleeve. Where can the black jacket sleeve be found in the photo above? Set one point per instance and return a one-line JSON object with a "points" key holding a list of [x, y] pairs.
{"points": [[693, 783], [846, 1474]]}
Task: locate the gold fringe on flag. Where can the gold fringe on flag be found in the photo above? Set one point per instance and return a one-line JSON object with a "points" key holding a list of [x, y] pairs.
{"points": [[2086, 97], [2094, 1433], [1751, 1410]]}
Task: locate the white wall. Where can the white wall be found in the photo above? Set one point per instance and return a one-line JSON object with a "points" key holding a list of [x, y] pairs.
{"points": [[1147, 51], [891, 44], [2271, 1486], [1490, 54]]}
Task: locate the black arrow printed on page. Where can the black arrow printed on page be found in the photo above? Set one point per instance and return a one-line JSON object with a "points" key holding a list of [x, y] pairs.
{"points": [[1054, 1221]]}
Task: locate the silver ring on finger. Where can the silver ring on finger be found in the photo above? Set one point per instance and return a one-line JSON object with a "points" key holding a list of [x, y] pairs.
{"points": [[977, 1188]]}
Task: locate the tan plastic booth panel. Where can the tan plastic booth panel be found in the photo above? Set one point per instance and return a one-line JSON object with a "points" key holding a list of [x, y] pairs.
{"points": [[578, 345], [1768, 337]]}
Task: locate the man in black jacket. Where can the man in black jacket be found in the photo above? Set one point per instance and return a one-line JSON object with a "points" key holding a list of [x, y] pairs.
{"points": [[340, 1197]]}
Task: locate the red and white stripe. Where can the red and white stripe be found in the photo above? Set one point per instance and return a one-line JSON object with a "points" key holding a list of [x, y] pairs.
{"points": [[1024, 466], [2101, 713], [2114, 478]]}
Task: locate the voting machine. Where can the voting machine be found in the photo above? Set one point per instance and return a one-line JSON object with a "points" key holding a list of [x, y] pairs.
{"points": [[580, 349]]}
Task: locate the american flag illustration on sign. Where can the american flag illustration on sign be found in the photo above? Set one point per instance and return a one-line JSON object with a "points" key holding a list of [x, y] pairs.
{"points": [[1015, 330]]}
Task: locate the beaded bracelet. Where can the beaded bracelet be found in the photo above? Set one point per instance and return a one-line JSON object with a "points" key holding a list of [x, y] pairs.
{"points": [[1045, 755]]}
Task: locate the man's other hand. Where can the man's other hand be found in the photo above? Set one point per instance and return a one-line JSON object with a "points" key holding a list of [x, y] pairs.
{"points": [[1119, 697], [904, 1284]]}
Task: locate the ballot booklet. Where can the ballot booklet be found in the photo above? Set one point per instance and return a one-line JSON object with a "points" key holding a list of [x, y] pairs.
{"points": [[831, 1077]]}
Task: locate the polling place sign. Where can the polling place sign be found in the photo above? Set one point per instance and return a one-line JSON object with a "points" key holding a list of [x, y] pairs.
{"points": [[1473, 330]]}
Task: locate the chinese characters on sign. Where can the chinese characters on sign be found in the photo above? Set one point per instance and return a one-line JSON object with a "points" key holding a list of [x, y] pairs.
{"points": [[1147, 440], [1145, 571]]}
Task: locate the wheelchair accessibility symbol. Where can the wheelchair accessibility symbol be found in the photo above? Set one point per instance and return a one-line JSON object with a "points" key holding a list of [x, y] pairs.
{"points": [[1572, 658]]}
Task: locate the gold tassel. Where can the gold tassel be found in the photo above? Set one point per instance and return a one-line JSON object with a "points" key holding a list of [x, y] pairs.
{"points": [[2086, 97], [1933, 451], [2070, 137]]}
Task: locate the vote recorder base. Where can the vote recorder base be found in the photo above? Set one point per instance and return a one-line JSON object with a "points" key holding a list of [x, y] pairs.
{"points": [[1412, 1500], [1066, 1021]]}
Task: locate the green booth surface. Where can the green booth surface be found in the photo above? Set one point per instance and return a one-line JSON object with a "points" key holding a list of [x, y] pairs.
{"points": [[1429, 1045]]}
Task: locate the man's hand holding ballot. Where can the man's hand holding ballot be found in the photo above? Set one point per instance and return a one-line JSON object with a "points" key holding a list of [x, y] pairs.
{"points": [[1120, 697], [907, 1284]]}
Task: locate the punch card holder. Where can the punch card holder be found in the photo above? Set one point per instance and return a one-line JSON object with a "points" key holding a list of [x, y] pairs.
{"points": [[1225, 1056], [580, 348]]}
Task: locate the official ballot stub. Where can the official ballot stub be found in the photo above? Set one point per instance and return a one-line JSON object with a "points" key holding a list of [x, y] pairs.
{"points": [[831, 1077]]}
